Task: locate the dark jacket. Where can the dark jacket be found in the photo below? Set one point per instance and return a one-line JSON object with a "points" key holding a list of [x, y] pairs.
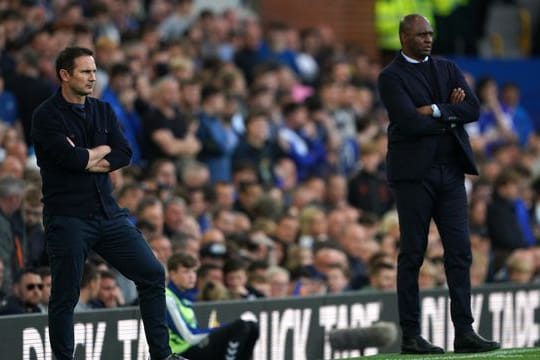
{"points": [[503, 225], [412, 137], [13, 305], [68, 188]]}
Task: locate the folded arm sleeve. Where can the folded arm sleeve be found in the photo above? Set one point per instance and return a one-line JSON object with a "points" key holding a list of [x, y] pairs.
{"points": [[48, 133], [179, 325], [120, 154], [402, 111], [465, 112]]}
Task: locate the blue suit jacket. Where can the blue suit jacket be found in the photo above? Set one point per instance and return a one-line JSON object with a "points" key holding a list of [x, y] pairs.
{"points": [[412, 137]]}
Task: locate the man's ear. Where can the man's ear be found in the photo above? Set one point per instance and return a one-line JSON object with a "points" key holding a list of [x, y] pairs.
{"points": [[64, 74]]}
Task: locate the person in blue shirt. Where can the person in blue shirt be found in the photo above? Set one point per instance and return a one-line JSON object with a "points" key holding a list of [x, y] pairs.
{"points": [[9, 112], [232, 341]]}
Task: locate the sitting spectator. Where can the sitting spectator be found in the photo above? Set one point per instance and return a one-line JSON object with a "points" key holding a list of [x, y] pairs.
{"points": [[508, 223], [337, 278], [161, 245], [235, 340], [90, 285], [279, 281], [235, 272], [109, 294], [27, 293], [46, 278], [519, 267]]}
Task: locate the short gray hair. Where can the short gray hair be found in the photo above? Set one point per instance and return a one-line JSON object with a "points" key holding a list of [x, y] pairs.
{"points": [[11, 186]]}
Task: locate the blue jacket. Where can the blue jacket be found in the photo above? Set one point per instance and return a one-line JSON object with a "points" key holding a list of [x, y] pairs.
{"points": [[68, 188]]}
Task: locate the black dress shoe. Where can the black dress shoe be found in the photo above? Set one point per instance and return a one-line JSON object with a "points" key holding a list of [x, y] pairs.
{"points": [[473, 343], [418, 345]]}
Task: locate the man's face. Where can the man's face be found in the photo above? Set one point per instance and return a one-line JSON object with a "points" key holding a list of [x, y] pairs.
{"points": [[83, 78], [107, 292], [46, 293], [183, 278], [31, 289], [418, 39]]}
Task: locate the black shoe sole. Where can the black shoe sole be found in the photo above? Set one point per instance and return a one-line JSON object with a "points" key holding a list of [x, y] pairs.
{"points": [[406, 352], [471, 351]]}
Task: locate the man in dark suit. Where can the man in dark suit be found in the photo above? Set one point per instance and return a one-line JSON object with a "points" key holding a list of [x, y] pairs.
{"points": [[428, 102]]}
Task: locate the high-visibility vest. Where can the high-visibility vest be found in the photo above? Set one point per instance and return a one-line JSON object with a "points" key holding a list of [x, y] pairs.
{"points": [[176, 342], [445, 7]]}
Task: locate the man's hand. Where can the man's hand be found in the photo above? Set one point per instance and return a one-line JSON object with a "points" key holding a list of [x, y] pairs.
{"points": [[102, 166], [425, 110], [457, 96], [96, 154]]}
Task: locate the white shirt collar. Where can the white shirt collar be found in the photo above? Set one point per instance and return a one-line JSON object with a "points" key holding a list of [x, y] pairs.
{"points": [[414, 61]]}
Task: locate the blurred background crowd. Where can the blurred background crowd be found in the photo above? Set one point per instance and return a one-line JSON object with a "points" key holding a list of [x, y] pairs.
{"points": [[259, 148]]}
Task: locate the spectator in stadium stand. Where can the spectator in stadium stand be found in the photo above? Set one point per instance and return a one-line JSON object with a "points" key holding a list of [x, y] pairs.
{"points": [[9, 113], [382, 277], [26, 297], [368, 188], [2, 271], [198, 206], [150, 209], [520, 267], [279, 279], [75, 158], [234, 340], [299, 139], [90, 285], [236, 280], [120, 94], [521, 120], [174, 214], [256, 147], [508, 223], [337, 279], [128, 197], [28, 88], [162, 247], [168, 132], [494, 126], [45, 273], [217, 138], [225, 195], [11, 240], [428, 149], [32, 212], [359, 248], [109, 294]]}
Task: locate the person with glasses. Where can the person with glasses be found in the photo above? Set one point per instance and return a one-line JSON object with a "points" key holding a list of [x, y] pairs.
{"points": [[27, 293]]}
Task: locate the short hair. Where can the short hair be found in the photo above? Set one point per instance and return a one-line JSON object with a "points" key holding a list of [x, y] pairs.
{"points": [[406, 22], [90, 273], [10, 185], [181, 260], [209, 91], [66, 58], [507, 177], [119, 69], [27, 270], [107, 274], [206, 268], [233, 265]]}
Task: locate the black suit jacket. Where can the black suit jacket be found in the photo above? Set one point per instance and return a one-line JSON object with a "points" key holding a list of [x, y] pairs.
{"points": [[412, 137]]}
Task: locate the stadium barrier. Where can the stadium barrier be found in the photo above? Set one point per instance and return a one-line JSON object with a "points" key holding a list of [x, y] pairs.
{"points": [[292, 328]]}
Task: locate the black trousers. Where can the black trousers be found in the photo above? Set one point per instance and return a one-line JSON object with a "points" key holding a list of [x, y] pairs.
{"points": [[439, 196], [69, 240], [234, 341]]}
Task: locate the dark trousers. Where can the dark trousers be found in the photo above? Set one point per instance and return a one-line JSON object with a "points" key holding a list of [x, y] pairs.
{"points": [[440, 195], [234, 341], [69, 240]]}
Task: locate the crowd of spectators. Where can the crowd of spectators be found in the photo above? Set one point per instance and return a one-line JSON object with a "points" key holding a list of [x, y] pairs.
{"points": [[259, 150]]}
